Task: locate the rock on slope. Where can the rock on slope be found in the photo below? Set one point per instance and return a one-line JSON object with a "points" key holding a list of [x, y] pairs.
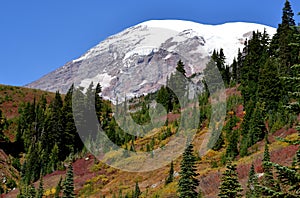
{"points": [[139, 59]]}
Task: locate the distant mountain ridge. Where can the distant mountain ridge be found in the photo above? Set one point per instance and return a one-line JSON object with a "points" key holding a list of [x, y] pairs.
{"points": [[138, 60]]}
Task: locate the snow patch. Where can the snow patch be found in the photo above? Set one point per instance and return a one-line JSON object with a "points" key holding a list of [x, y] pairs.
{"points": [[103, 79]]}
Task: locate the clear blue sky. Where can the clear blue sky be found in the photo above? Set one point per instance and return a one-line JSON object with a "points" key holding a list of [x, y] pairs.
{"points": [[37, 37]]}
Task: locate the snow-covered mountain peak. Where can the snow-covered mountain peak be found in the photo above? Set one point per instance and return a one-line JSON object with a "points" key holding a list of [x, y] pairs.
{"points": [[139, 59]]}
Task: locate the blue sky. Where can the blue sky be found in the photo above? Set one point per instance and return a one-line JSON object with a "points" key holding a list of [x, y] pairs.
{"points": [[37, 37]]}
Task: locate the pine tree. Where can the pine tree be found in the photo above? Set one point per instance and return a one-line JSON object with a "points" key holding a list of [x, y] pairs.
{"points": [[280, 45], [230, 186], [234, 67], [71, 138], [171, 174], [58, 188], [137, 191], [270, 90], [53, 159], [231, 137], [40, 191], [269, 184], [180, 67], [31, 191], [212, 77], [252, 190], [68, 191], [187, 182]]}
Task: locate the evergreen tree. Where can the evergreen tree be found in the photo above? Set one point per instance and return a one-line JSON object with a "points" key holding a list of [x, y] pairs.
{"points": [[31, 192], [53, 159], [232, 138], [230, 186], [163, 97], [270, 90], [55, 127], [68, 191], [71, 138], [40, 191], [269, 183], [211, 76], [58, 188], [280, 45], [170, 177], [252, 190], [180, 67], [234, 67], [137, 192], [187, 182]]}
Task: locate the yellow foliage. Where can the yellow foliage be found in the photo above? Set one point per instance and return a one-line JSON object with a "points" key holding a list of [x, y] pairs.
{"points": [[49, 192], [231, 112]]}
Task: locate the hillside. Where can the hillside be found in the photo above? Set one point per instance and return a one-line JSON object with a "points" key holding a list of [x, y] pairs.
{"points": [[11, 97], [93, 178]]}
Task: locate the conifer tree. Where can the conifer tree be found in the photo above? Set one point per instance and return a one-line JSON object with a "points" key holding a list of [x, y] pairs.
{"points": [[137, 191], [252, 190], [180, 67], [68, 191], [31, 192], [230, 186], [234, 67], [188, 182], [58, 188], [268, 183], [40, 191], [270, 90], [170, 177]]}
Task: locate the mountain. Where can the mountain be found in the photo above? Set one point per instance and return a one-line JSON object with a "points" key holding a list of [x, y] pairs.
{"points": [[139, 59]]}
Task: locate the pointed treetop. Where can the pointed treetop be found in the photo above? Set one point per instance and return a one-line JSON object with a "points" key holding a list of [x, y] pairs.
{"points": [[288, 14]]}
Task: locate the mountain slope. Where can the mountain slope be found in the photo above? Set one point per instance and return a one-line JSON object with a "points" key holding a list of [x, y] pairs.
{"points": [[139, 59]]}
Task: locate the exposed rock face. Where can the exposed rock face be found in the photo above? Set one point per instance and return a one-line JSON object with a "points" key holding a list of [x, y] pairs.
{"points": [[138, 60]]}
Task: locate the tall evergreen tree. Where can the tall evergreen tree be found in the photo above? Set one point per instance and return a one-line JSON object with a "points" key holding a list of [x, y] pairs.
{"points": [[234, 67], [268, 183], [137, 192], [230, 186], [40, 191], [180, 67], [188, 182], [280, 45], [58, 188], [270, 90], [170, 177], [68, 191], [252, 190]]}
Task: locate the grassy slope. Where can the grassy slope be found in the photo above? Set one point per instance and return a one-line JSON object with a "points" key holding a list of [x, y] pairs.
{"points": [[92, 178]]}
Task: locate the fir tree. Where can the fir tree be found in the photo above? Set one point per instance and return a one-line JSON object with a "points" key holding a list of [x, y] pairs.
{"points": [[234, 67], [280, 45], [58, 188], [270, 90], [31, 192], [268, 184], [137, 191], [171, 174], [68, 191], [252, 190], [180, 67], [230, 186], [40, 191], [188, 183]]}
